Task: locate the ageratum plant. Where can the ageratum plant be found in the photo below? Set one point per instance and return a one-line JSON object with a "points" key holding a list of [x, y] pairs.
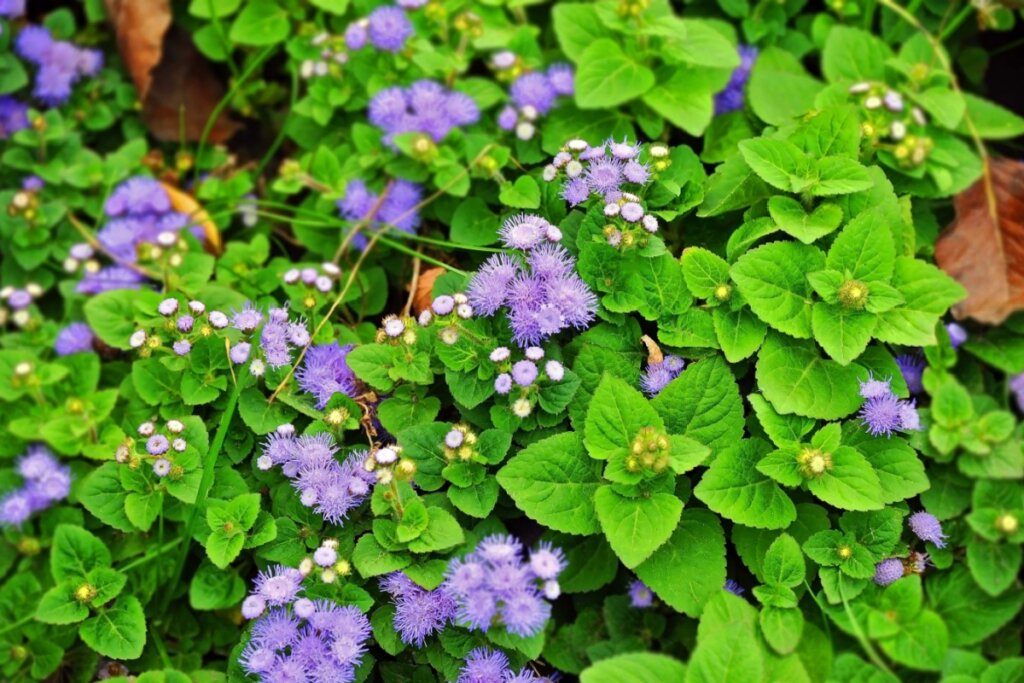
{"points": [[506, 342]]}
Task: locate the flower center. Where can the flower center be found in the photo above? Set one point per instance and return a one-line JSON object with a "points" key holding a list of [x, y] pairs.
{"points": [[853, 294]]}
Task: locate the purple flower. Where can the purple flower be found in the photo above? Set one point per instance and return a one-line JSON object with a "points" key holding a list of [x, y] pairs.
{"points": [[424, 107], [1016, 386], [524, 373], [484, 665], [888, 571], [32, 183], [488, 290], [575, 191], [443, 305], [33, 43], [523, 231], [636, 172], [389, 28], [503, 383], [247, 319], [640, 596], [658, 375], [239, 353], [157, 444], [419, 613], [355, 36], [550, 261], [138, 196], [278, 585], [957, 334], [398, 208], [912, 368], [927, 527], [109, 279], [508, 117], [182, 347], [533, 90], [324, 372], [875, 388], [75, 338], [881, 415], [12, 9], [733, 587], [731, 97], [13, 116], [46, 481], [604, 176], [561, 77]]}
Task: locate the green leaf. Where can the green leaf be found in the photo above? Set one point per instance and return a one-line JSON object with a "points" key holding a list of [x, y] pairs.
{"points": [[791, 218], [108, 584], [524, 193], [635, 667], [728, 650], [852, 54], [477, 500], [75, 553], [689, 569], [832, 132], [59, 605], [920, 644], [606, 76], [783, 430], [685, 98], [260, 23], [900, 472], [693, 41], [928, 294], [772, 280], [103, 496], [212, 588], [112, 315], [577, 27], [739, 332], [994, 566], [118, 632], [835, 549], [636, 527], [844, 334], [780, 89], [143, 509], [372, 363], [734, 488], [991, 121], [840, 175], [733, 185], [553, 481], [970, 614], [154, 383], [259, 415], [779, 163], [370, 559], [703, 271], [851, 483], [703, 403], [783, 563], [442, 532], [617, 413], [864, 249], [794, 377], [782, 628]]}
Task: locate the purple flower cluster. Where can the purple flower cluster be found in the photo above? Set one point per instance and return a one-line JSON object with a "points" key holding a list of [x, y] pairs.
{"points": [[659, 373], [640, 596], [884, 413], [608, 170], [731, 97], [533, 95], [331, 488], [424, 107], [387, 29], [543, 293], [75, 338], [12, 9], [140, 212], [484, 665], [60, 63], [733, 587], [912, 368], [46, 481], [397, 208], [419, 613], [494, 586], [277, 339], [324, 373], [927, 527], [888, 571], [298, 639], [13, 116]]}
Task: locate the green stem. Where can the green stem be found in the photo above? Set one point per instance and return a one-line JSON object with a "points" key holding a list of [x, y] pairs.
{"points": [[858, 633], [959, 19], [18, 624], [144, 559], [209, 463], [398, 246]]}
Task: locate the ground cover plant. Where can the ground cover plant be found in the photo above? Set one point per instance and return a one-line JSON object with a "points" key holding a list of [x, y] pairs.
{"points": [[493, 342]]}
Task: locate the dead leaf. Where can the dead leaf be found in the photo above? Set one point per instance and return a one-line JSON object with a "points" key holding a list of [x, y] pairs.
{"points": [[425, 289], [176, 84], [985, 253], [185, 203]]}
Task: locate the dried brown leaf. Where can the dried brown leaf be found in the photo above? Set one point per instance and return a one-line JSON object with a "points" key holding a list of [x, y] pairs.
{"points": [[176, 84], [424, 289], [185, 203], [985, 252]]}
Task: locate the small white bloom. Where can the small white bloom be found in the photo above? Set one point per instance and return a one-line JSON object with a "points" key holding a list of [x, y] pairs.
{"points": [[534, 352], [611, 209], [146, 428], [425, 318], [550, 172], [307, 69], [525, 130], [20, 318], [70, 265], [573, 168], [464, 311], [321, 68], [552, 590], [330, 269], [175, 261], [306, 566], [20, 200], [919, 116], [522, 408], [257, 368], [529, 112], [577, 145], [449, 335], [218, 320], [166, 239], [553, 234], [861, 87], [554, 370], [291, 276], [168, 307], [898, 130], [386, 456], [500, 354], [287, 429], [873, 102], [34, 290], [23, 368], [197, 307], [92, 266], [650, 223], [460, 298], [179, 445], [137, 339], [659, 151], [324, 283], [175, 426]]}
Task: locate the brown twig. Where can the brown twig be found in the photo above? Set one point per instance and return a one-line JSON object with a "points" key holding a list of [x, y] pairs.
{"points": [[413, 284]]}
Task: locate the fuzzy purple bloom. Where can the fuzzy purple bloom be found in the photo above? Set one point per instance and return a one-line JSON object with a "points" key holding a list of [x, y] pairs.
{"points": [[640, 596], [324, 373], [912, 368], [658, 375], [733, 587], [888, 571], [957, 334], [389, 28], [355, 36], [419, 613], [732, 96], [398, 208], [484, 665], [881, 415], [533, 90], [424, 107], [927, 527], [561, 77], [13, 116], [12, 9], [109, 279], [524, 373], [45, 481], [75, 338]]}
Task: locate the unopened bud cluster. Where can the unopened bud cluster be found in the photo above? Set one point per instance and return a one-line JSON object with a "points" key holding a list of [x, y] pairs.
{"points": [[890, 125], [326, 563], [813, 463], [395, 330], [629, 223], [460, 444], [16, 306], [313, 281], [162, 448], [521, 379], [332, 55], [388, 465], [446, 313], [853, 295], [649, 451]]}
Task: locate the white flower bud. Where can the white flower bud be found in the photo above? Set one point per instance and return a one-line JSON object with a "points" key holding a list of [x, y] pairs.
{"points": [[521, 408], [257, 368], [70, 265], [137, 339], [23, 368], [175, 426], [525, 130], [330, 269], [34, 290], [179, 445], [20, 318], [573, 168], [611, 209], [146, 428], [264, 463], [550, 172], [307, 69], [577, 145]]}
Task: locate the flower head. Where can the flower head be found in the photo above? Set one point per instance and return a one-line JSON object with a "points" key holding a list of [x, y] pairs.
{"points": [[75, 338], [731, 98], [888, 571], [324, 372], [484, 665], [912, 368], [389, 28], [640, 596], [927, 527]]}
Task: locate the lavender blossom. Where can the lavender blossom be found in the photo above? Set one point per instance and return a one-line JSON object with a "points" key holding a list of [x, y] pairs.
{"points": [[912, 368], [927, 527], [324, 373], [640, 596], [658, 375], [732, 97], [424, 107], [389, 28], [45, 482], [13, 116], [75, 338], [888, 571], [484, 665], [419, 613]]}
